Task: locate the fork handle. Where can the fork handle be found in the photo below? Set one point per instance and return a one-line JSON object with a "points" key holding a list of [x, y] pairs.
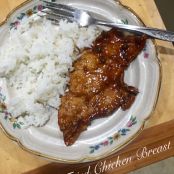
{"points": [[153, 32]]}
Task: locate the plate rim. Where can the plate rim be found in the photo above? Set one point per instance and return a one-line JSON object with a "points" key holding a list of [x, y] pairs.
{"points": [[115, 149]]}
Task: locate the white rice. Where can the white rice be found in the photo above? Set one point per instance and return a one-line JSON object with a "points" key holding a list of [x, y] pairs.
{"points": [[36, 60]]}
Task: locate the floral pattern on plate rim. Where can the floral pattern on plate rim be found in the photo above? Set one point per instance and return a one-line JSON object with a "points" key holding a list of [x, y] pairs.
{"points": [[146, 54], [7, 115], [110, 140], [28, 13]]}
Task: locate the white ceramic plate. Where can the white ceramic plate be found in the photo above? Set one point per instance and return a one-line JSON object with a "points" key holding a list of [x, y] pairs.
{"points": [[106, 135]]}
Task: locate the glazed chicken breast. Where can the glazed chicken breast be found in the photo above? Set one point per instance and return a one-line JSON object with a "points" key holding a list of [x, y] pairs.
{"points": [[97, 87]]}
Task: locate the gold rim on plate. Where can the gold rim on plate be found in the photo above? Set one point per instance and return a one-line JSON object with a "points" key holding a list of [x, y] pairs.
{"points": [[87, 158]]}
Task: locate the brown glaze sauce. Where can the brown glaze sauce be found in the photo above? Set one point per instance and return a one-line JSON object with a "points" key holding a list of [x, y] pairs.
{"points": [[97, 86]]}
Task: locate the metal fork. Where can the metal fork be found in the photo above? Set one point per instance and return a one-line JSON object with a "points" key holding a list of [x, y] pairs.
{"points": [[55, 12]]}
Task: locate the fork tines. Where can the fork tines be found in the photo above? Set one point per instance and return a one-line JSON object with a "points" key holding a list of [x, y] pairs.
{"points": [[55, 11], [59, 6]]}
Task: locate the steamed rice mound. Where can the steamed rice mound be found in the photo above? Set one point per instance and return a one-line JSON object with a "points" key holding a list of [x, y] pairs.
{"points": [[35, 62]]}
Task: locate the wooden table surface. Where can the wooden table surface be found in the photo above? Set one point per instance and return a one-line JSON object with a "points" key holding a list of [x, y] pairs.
{"points": [[158, 133]]}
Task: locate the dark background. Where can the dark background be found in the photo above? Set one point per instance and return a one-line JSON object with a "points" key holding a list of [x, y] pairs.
{"points": [[166, 9]]}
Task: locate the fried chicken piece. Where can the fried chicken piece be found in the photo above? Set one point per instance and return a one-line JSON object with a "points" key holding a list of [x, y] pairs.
{"points": [[97, 87], [111, 99], [73, 117]]}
